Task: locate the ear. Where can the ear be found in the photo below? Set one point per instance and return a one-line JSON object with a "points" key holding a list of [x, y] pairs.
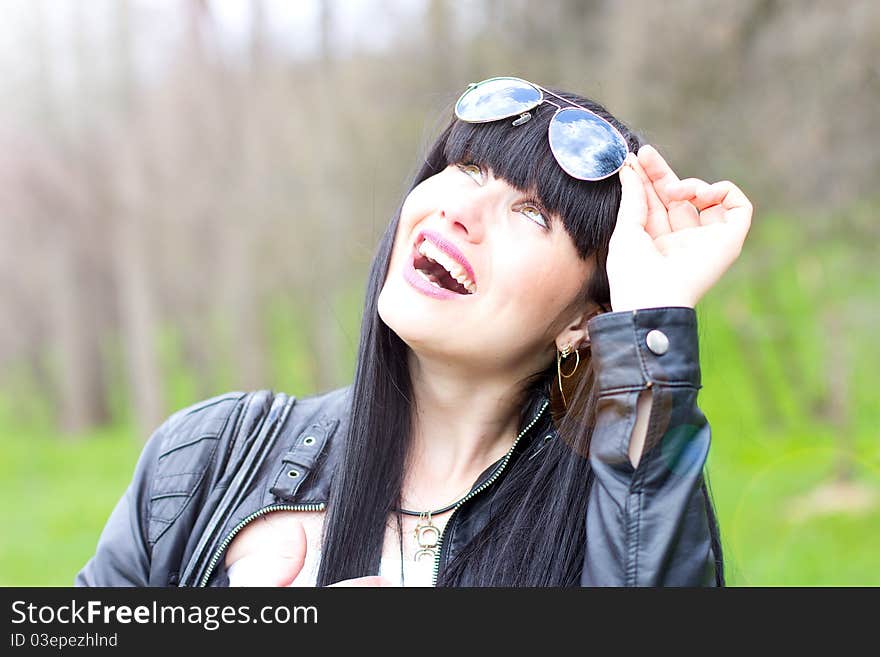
{"points": [[576, 333]]}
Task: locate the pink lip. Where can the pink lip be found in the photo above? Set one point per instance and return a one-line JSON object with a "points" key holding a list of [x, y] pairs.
{"points": [[449, 249], [423, 286]]}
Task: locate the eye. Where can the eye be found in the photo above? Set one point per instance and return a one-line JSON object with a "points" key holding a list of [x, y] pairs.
{"points": [[533, 212], [473, 170]]}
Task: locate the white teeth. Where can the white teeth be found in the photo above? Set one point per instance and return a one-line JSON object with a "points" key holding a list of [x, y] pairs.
{"points": [[455, 269], [425, 276]]}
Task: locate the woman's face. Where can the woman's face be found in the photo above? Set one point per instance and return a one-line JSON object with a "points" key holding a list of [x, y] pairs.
{"points": [[520, 264]]}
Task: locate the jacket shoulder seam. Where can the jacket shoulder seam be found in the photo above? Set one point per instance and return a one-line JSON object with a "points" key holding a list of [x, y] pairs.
{"points": [[164, 466]]}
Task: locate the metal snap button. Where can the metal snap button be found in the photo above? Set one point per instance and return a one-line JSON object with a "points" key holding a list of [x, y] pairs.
{"points": [[309, 440], [293, 474], [657, 342]]}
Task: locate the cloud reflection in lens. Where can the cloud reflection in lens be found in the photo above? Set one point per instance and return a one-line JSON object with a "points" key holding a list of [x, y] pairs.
{"points": [[586, 146], [497, 99]]}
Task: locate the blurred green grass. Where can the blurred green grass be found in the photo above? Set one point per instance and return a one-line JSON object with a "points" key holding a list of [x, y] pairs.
{"points": [[55, 497], [771, 465]]}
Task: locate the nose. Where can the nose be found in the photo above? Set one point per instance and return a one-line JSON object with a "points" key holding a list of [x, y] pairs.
{"points": [[466, 214]]}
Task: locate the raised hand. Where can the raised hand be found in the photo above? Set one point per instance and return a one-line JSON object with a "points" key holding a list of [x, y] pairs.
{"points": [[674, 239]]}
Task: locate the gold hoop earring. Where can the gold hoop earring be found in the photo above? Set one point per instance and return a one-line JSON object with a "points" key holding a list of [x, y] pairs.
{"points": [[566, 351]]}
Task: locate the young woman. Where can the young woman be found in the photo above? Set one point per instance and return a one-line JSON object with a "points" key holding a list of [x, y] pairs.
{"points": [[524, 407]]}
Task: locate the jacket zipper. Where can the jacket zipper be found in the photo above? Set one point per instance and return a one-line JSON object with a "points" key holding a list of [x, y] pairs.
{"points": [[479, 489], [256, 514]]}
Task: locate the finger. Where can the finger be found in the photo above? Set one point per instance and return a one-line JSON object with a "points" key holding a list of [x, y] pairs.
{"points": [[658, 220], [683, 214], [659, 172], [698, 192], [737, 208], [371, 580], [264, 568], [712, 195], [688, 189], [725, 203], [633, 212], [730, 195], [252, 571], [714, 214]]}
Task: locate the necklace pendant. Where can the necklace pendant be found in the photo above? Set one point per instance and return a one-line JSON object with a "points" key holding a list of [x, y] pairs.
{"points": [[427, 554], [427, 535]]}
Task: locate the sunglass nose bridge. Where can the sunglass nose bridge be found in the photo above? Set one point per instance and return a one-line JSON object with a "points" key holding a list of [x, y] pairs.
{"points": [[525, 117]]}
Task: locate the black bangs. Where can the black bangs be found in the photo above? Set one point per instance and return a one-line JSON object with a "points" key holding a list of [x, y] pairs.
{"points": [[521, 156]]}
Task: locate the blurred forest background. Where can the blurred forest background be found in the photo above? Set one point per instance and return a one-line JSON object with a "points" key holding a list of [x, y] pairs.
{"points": [[191, 193]]}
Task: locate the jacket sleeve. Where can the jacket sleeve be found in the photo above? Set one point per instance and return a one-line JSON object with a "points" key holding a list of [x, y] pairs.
{"points": [[650, 525], [122, 557]]}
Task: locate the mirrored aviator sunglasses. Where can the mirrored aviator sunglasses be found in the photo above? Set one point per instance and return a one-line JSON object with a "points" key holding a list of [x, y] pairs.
{"points": [[585, 145]]}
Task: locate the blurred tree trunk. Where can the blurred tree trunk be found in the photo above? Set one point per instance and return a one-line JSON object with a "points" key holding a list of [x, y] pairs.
{"points": [[68, 323], [444, 62], [330, 192], [77, 345], [93, 239], [578, 35], [244, 231], [199, 210], [137, 308]]}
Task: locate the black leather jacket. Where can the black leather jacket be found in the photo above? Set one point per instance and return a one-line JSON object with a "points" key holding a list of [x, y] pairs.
{"points": [[648, 526]]}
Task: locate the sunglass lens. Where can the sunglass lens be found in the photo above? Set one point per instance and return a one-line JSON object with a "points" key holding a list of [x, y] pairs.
{"points": [[586, 146], [497, 98]]}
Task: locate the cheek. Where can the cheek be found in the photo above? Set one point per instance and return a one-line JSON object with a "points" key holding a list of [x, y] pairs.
{"points": [[416, 206], [422, 200], [541, 286]]}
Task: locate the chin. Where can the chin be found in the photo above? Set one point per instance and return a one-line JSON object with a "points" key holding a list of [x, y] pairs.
{"points": [[414, 327], [408, 324]]}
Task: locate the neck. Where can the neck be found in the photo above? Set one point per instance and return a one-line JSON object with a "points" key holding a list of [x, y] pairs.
{"points": [[462, 424]]}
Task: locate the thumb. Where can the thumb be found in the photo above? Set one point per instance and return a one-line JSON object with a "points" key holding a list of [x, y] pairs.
{"points": [[633, 211], [292, 552], [276, 561]]}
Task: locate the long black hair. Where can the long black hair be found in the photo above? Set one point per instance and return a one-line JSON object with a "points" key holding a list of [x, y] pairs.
{"points": [[536, 536]]}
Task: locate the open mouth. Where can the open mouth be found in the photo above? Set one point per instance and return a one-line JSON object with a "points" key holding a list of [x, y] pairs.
{"points": [[440, 269]]}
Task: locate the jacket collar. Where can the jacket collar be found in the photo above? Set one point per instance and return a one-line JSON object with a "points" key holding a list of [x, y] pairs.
{"points": [[316, 448]]}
